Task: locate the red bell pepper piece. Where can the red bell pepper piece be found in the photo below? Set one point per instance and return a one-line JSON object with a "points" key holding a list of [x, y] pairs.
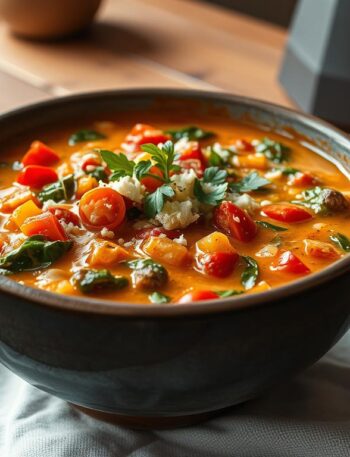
{"points": [[37, 176], [40, 154], [235, 222], [45, 224]]}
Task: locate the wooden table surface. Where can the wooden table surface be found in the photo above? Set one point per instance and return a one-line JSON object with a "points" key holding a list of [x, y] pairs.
{"points": [[148, 43]]}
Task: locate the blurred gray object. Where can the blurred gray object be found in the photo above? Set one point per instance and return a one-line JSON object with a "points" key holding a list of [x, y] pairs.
{"points": [[316, 67]]}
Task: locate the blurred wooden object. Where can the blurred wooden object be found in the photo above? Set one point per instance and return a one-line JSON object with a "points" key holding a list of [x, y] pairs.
{"points": [[150, 43]]}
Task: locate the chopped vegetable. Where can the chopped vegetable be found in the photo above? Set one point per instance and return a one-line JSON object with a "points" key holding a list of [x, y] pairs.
{"points": [[106, 253], [341, 240], [235, 222], [320, 250], [286, 213], [45, 224], [273, 150], [218, 264], [148, 274], [84, 184], [253, 181], [250, 273], [36, 176], [191, 133], [229, 293], [198, 295], [61, 190], [63, 214], [89, 281], [166, 250], [251, 161], [143, 234], [267, 225], [159, 298], [142, 134], [22, 212], [40, 154], [289, 263], [84, 136], [323, 200], [214, 242], [36, 252]]}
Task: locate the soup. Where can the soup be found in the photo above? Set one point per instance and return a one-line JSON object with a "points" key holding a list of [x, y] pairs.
{"points": [[167, 213]]}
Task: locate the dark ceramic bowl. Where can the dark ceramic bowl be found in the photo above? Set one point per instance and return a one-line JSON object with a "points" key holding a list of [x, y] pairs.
{"points": [[159, 361]]}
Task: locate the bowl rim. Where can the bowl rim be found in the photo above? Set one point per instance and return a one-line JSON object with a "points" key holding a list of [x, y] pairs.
{"points": [[271, 297]]}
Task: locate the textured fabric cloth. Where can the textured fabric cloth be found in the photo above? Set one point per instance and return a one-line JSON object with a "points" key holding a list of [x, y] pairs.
{"points": [[308, 417]]}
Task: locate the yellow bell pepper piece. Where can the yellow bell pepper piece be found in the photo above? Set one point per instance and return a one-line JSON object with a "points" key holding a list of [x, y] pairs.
{"points": [[22, 212]]}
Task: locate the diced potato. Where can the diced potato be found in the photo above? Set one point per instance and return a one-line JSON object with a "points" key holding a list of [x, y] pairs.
{"points": [[106, 253], [166, 250], [22, 212], [85, 183], [262, 286], [64, 287], [215, 242], [14, 197], [320, 250], [258, 162]]}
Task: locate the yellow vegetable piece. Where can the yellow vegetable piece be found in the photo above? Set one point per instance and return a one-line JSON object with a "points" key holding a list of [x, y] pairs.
{"points": [[107, 253], [215, 242], [252, 161], [22, 212], [85, 184], [166, 250], [262, 286]]}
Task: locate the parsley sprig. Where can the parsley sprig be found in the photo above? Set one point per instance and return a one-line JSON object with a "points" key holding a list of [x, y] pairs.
{"points": [[253, 181], [217, 180], [273, 150]]}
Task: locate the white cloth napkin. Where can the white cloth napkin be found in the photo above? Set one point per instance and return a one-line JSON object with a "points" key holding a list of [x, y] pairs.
{"points": [[307, 417]]}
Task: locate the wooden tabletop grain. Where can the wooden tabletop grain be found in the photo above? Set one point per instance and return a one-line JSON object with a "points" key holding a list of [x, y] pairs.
{"points": [[148, 43]]}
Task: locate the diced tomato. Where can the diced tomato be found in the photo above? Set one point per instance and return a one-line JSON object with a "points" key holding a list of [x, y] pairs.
{"points": [[219, 264], [102, 207], [65, 215], [193, 155], [45, 224], [302, 180], [142, 134], [235, 222], [157, 231], [193, 164], [37, 176], [290, 263], [244, 145], [22, 212], [320, 250], [198, 295], [286, 213], [92, 162], [40, 154], [150, 183]]}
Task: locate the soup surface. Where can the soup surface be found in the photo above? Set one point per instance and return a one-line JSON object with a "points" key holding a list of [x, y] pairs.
{"points": [[166, 213]]}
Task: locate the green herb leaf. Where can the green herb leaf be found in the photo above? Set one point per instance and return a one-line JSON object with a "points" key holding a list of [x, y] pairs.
{"points": [[273, 150], [62, 190], [142, 168], [212, 198], [118, 163], [35, 252], [215, 160], [214, 175], [154, 202], [148, 274], [164, 157], [159, 298], [191, 133], [267, 225], [341, 241], [98, 173], [85, 135], [253, 181], [228, 293], [90, 280], [250, 273], [276, 241], [290, 171], [323, 200]]}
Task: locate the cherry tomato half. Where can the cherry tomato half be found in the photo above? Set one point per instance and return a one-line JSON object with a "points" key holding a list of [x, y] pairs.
{"points": [[235, 222], [218, 264], [286, 213], [45, 224], [150, 183], [198, 295], [37, 176], [102, 207], [290, 263], [40, 154]]}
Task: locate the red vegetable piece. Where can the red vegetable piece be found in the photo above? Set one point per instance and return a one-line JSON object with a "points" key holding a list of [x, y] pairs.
{"points": [[198, 295], [290, 263], [218, 264], [45, 224], [37, 176], [90, 162], [150, 183], [142, 134], [40, 154], [65, 215], [303, 180], [286, 213], [235, 222], [244, 145], [157, 231]]}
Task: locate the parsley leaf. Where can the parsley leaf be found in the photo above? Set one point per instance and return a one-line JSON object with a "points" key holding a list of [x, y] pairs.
{"points": [[118, 163], [290, 171], [217, 180], [85, 135], [273, 150], [164, 157], [250, 273], [142, 168], [253, 181], [341, 241], [154, 202], [159, 298], [315, 199], [191, 133], [267, 225], [229, 293]]}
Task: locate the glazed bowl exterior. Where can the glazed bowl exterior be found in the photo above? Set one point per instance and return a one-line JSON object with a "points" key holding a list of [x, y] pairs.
{"points": [[171, 360]]}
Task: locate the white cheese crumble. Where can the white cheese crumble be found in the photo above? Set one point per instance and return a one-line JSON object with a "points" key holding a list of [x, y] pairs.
{"points": [[244, 201], [70, 228], [273, 174], [181, 240], [143, 224], [267, 251], [183, 185], [265, 202], [105, 233], [177, 215], [129, 187], [48, 204]]}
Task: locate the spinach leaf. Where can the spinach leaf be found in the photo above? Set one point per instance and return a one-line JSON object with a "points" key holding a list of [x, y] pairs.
{"points": [[85, 135], [253, 181], [191, 133], [90, 280], [159, 298], [64, 189], [154, 202], [250, 273], [35, 252], [216, 179], [267, 225], [341, 241], [147, 274], [228, 293], [273, 150]]}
